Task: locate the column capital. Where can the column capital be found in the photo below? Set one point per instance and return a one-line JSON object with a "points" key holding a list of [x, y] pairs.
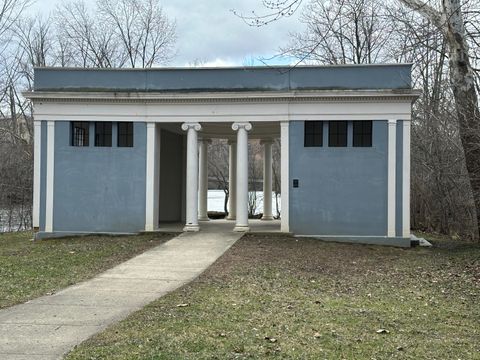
{"points": [[191, 125], [241, 125]]}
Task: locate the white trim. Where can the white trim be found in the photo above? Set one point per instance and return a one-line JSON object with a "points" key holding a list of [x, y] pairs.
{"points": [[285, 178], [392, 144], [50, 176], [235, 96], [223, 112], [406, 180], [37, 156], [150, 223]]}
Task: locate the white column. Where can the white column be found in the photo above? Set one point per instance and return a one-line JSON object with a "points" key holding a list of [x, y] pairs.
{"points": [[203, 181], [50, 176], [232, 180], [285, 177], [37, 155], [242, 175], [192, 176], [392, 157], [152, 177], [406, 180], [267, 180]]}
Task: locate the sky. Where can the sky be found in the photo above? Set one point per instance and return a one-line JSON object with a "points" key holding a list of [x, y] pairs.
{"points": [[208, 32]]}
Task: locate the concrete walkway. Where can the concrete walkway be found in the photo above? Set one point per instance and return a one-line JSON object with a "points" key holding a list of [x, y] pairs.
{"points": [[48, 327]]}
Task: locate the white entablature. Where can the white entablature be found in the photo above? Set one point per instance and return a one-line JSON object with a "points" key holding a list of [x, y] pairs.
{"points": [[223, 107]]}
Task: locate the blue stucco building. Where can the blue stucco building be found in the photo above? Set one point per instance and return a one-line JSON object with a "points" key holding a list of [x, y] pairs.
{"points": [[124, 150]]}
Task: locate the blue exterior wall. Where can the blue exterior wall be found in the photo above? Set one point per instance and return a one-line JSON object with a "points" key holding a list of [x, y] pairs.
{"points": [[342, 191], [96, 189], [399, 183]]}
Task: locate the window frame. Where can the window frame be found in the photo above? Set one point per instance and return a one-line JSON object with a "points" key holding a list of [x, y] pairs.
{"points": [[313, 133], [362, 133], [103, 134], [125, 137], [75, 137], [335, 135]]}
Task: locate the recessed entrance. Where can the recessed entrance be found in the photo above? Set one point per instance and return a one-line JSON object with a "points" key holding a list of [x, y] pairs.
{"points": [[251, 189]]}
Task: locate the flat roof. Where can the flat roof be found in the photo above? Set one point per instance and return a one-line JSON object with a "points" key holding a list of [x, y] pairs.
{"points": [[255, 78]]}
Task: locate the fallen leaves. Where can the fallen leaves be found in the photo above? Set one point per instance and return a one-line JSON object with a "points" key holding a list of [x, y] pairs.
{"points": [[182, 305], [383, 331]]}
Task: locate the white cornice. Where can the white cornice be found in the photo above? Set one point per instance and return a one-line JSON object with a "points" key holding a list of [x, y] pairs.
{"points": [[226, 97]]}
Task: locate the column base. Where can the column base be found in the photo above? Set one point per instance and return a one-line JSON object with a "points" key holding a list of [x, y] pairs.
{"points": [[268, 217], [231, 217], [191, 228], [241, 228], [150, 228], [203, 218]]}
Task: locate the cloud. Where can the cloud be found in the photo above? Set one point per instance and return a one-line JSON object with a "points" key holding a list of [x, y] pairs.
{"points": [[209, 33]]}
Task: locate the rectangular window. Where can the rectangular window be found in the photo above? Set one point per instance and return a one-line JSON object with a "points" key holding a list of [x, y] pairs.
{"points": [[79, 133], [362, 133], [125, 134], [313, 133], [103, 134], [337, 133]]}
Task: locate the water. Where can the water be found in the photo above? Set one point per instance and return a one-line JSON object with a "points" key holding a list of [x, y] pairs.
{"points": [[216, 200]]}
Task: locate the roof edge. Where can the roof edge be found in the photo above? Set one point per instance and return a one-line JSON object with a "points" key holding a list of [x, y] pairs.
{"points": [[261, 67]]}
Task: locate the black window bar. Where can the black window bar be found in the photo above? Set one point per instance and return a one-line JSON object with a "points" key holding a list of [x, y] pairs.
{"points": [[80, 133], [337, 133], [362, 133], [125, 134]]}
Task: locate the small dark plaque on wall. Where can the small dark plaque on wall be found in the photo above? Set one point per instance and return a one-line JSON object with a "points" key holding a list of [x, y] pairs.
{"points": [[295, 183]]}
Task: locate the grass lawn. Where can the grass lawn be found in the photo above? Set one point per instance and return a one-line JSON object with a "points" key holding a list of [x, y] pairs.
{"points": [[30, 269], [306, 299]]}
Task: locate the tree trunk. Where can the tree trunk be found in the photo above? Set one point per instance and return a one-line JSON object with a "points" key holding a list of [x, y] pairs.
{"points": [[451, 23], [466, 100]]}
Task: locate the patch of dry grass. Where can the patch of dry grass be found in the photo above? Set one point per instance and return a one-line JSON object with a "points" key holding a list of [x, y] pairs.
{"points": [[306, 299], [30, 269]]}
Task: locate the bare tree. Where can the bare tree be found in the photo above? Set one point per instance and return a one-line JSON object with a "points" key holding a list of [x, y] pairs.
{"points": [[91, 43], [342, 32], [146, 35], [448, 18]]}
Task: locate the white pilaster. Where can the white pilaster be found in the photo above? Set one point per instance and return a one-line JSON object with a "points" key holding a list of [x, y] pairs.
{"points": [[232, 180], [267, 180], [392, 157], [192, 176], [285, 177], [203, 181], [37, 155], [50, 176], [406, 180], [242, 175], [152, 177]]}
